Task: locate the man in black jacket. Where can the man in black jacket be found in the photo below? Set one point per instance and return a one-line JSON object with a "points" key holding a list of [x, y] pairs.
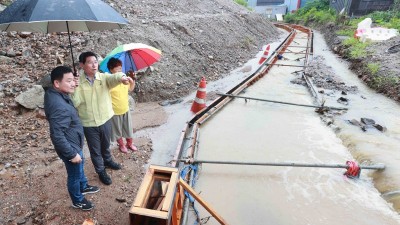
{"points": [[66, 133]]}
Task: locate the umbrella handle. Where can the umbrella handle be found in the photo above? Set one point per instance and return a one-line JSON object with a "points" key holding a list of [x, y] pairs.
{"points": [[131, 74], [72, 53]]}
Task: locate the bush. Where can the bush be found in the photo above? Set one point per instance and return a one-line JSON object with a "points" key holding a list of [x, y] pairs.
{"points": [[373, 68], [357, 49], [242, 2], [345, 32], [389, 19], [381, 83], [312, 15]]}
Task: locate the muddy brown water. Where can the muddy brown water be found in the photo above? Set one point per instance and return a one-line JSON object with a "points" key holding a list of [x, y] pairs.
{"points": [[256, 131], [267, 132]]}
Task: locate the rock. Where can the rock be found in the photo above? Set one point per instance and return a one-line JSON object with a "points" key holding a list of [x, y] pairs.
{"points": [[27, 53], [164, 103], [245, 69], [11, 53], [380, 127], [20, 220], [32, 98], [5, 60], [355, 122], [120, 199], [170, 102], [344, 93], [367, 121], [25, 34], [343, 101], [40, 114], [45, 82]]}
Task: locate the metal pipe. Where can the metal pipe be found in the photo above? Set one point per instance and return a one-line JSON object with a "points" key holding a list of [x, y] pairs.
{"points": [[192, 153], [292, 164], [70, 48], [286, 103], [288, 65], [186, 204], [294, 46]]}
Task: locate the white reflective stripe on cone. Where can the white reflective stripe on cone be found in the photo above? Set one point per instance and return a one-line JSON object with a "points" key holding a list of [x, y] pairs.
{"points": [[200, 101], [201, 89]]}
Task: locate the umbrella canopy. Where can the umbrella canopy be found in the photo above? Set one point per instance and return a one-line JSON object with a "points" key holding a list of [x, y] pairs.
{"points": [[134, 56], [47, 16]]}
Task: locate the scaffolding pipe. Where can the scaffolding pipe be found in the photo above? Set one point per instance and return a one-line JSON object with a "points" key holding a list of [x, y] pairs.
{"points": [[291, 164], [285, 103]]}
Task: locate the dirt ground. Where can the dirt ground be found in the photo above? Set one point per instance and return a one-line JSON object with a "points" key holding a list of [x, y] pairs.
{"points": [[36, 193]]}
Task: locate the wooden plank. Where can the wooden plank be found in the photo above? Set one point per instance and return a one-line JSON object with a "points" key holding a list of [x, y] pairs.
{"points": [[202, 202], [163, 168], [148, 194], [160, 204], [162, 177], [149, 212], [169, 196], [178, 206], [143, 189]]}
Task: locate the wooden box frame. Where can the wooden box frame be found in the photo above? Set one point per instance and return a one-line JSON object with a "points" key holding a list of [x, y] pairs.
{"points": [[148, 209]]}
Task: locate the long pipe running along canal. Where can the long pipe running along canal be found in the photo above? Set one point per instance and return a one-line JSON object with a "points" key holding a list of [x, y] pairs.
{"points": [[259, 131]]}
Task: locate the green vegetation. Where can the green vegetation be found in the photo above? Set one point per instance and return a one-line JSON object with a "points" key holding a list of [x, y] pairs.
{"points": [[345, 32], [380, 83], [317, 12], [373, 68], [357, 49], [242, 2]]}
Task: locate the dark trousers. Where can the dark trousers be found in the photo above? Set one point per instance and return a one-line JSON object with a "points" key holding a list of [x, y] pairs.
{"points": [[98, 140], [76, 180]]}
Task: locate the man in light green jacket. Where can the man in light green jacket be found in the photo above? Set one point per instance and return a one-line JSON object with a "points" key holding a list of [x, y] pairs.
{"points": [[93, 101]]}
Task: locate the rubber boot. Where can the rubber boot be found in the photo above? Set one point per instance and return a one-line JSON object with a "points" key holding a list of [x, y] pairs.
{"points": [[121, 145], [130, 145]]}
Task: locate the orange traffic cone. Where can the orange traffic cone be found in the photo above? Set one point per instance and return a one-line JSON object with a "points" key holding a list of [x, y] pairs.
{"points": [[265, 55], [200, 101]]}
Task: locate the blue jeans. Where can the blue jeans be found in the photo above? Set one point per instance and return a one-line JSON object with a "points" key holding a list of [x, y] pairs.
{"points": [[76, 180]]}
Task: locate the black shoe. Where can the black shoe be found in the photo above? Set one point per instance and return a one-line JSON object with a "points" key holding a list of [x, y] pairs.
{"points": [[105, 178], [112, 165], [90, 190], [84, 205]]}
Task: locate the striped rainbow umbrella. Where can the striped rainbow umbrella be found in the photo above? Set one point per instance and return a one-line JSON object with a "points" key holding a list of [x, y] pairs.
{"points": [[134, 56]]}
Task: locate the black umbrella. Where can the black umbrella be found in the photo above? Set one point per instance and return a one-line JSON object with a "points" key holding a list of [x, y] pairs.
{"points": [[48, 16]]}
